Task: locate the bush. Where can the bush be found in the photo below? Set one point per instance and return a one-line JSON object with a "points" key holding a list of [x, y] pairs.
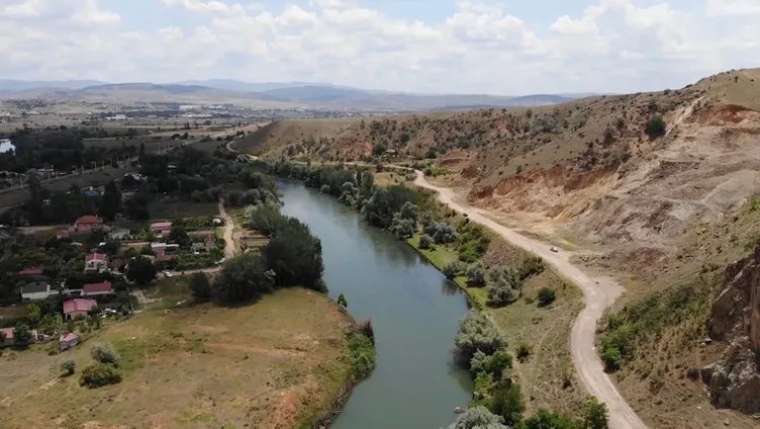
{"points": [[546, 297], [104, 353], [98, 375], [441, 233], [548, 420], [531, 267], [476, 333], [342, 301], [141, 271], [478, 418], [507, 402], [523, 352], [385, 202], [594, 415], [362, 352], [402, 228], [452, 270], [612, 358], [426, 242], [656, 128], [504, 286], [68, 368], [495, 364], [200, 287], [476, 275]]}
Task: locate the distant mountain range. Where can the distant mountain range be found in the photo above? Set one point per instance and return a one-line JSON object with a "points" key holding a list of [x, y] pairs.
{"points": [[276, 95]]}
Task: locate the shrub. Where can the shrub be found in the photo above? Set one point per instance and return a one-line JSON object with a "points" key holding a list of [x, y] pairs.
{"points": [[548, 420], [426, 242], [504, 286], [200, 287], [98, 375], [442, 233], [523, 352], [104, 353], [402, 228], [546, 297], [612, 358], [656, 127], [595, 415], [385, 202], [342, 301], [494, 364], [141, 270], [68, 368], [507, 402], [452, 270], [531, 267], [22, 335], [477, 333], [478, 418], [476, 275], [362, 352]]}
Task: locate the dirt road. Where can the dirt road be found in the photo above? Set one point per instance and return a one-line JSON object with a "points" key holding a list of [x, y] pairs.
{"points": [[599, 294], [230, 249]]}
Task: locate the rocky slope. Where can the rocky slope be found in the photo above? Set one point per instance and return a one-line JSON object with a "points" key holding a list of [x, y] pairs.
{"points": [[734, 380]]}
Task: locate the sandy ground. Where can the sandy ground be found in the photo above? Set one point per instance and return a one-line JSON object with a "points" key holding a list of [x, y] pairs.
{"points": [[599, 294], [230, 249]]}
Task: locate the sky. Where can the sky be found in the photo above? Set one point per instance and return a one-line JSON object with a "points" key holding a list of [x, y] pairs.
{"points": [[507, 47]]}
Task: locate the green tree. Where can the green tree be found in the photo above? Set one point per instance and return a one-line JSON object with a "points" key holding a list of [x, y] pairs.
{"points": [[200, 287], [295, 256], [243, 279], [98, 375], [22, 335], [33, 314], [141, 271], [507, 402], [595, 415], [548, 420], [426, 242], [68, 368], [342, 301], [110, 204], [546, 296], [179, 236], [477, 333], [104, 353], [478, 418], [656, 127]]}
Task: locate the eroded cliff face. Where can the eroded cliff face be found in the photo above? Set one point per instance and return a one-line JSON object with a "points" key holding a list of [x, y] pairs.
{"points": [[734, 380]]}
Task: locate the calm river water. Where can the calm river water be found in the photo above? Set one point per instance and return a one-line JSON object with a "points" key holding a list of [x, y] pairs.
{"points": [[415, 312]]}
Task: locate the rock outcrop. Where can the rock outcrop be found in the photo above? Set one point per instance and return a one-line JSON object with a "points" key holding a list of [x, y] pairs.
{"points": [[734, 381]]}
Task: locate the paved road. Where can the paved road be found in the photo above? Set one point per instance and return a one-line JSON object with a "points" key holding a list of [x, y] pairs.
{"points": [[599, 294]]}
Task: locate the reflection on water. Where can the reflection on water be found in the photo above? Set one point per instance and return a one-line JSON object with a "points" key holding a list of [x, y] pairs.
{"points": [[415, 312]]}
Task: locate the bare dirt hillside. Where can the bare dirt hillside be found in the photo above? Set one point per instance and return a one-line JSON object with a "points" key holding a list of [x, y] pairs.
{"points": [[657, 189]]}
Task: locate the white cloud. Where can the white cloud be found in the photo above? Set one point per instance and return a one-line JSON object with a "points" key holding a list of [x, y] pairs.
{"points": [[733, 7], [614, 45]]}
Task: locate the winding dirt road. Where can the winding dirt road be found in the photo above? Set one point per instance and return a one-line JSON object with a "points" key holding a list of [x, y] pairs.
{"points": [[599, 294], [230, 248]]}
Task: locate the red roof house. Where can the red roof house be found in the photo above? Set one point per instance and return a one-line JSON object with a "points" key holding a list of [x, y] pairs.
{"points": [[68, 341], [96, 262], [97, 289], [161, 229], [87, 223], [30, 272], [76, 308], [7, 336]]}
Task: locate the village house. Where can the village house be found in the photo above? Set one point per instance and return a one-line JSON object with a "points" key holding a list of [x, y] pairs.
{"points": [[8, 336], [87, 224], [78, 308], [97, 289], [37, 291], [121, 234], [31, 273], [165, 252], [68, 341], [96, 263], [161, 229]]}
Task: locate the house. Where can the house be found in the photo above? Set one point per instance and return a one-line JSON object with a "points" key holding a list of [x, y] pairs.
{"points": [[77, 308], [95, 263], [68, 341], [87, 224], [37, 291], [161, 229], [63, 234], [97, 289], [31, 273], [8, 336], [165, 252]]}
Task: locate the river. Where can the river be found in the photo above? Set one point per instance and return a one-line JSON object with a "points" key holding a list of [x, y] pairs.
{"points": [[414, 310]]}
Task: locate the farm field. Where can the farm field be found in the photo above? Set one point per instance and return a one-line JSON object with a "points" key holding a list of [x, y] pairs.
{"points": [[278, 363]]}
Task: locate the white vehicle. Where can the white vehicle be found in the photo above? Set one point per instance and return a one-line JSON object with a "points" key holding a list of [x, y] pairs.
{"points": [[554, 249]]}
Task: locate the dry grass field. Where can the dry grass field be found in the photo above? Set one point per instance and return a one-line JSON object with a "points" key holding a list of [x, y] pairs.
{"points": [[279, 363]]}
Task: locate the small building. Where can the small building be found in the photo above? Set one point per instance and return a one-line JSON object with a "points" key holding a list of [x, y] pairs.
{"points": [[78, 308], [7, 337], [161, 229], [68, 341], [86, 224], [165, 252], [97, 289], [37, 291], [96, 263], [31, 273]]}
